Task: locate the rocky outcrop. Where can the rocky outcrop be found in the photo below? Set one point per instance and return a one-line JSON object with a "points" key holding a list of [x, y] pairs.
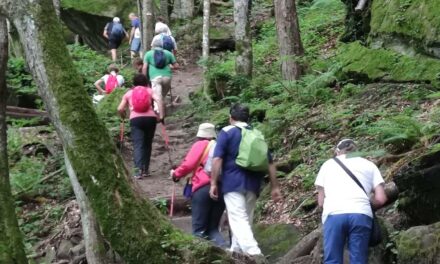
{"points": [[419, 245], [419, 183], [409, 27], [89, 27]]}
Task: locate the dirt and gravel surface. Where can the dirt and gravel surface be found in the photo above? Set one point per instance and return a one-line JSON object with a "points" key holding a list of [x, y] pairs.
{"points": [[181, 134]]}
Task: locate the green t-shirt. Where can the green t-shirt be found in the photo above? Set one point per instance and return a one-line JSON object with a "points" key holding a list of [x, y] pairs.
{"points": [[156, 72]]}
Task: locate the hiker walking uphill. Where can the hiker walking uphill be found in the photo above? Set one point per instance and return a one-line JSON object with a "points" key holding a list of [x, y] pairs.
{"points": [[135, 36], [115, 33], [159, 63], [143, 121], [163, 33], [344, 185], [111, 80], [243, 170], [206, 212]]}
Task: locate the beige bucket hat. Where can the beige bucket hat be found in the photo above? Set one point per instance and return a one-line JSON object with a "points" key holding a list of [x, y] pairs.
{"points": [[206, 130]]}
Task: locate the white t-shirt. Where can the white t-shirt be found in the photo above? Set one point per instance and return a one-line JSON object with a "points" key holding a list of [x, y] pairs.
{"points": [[120, 79], [162, 28], [342, 194]]}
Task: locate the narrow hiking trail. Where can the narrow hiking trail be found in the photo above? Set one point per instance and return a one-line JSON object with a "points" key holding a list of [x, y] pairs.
{"points": [[181, 135]]}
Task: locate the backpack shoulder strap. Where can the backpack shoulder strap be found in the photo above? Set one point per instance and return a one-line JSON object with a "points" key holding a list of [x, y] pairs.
{"points": [[350, 174], [202, 158]]}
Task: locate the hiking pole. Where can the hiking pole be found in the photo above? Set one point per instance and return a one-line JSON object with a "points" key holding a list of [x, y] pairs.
{"points": [[173, 196], [121, 134], [167, 147]]}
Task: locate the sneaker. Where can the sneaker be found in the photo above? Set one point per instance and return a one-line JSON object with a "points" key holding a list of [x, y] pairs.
{"points": [[138, 177]]}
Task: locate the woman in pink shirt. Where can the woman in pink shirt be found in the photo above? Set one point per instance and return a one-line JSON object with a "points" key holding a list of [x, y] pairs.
{"points": [[142, 125], [206, 212]]}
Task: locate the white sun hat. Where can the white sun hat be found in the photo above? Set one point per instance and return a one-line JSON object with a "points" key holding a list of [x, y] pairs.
{"points": [[206, 130]]}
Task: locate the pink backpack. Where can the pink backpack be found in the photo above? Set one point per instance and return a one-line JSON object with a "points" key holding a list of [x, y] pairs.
{"points": [[111, 84], [141, 99]]}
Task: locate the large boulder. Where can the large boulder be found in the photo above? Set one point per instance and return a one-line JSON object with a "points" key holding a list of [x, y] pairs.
{"points": [[362, 63], [419, 245], [419, 185], [408, 27]]}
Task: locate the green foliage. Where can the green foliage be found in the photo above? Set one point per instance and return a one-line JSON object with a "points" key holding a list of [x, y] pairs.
{"points": [[402, 17], [161, 204], [366, 64], [20, 83], [107, 110]]}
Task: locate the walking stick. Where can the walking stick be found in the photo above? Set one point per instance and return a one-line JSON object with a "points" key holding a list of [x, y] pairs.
{"points": [[167, 147], [121, 134]]}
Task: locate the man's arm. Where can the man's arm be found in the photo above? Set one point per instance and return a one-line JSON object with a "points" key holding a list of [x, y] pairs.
{"points": [[321, 195], [105, 32], [379, 198], [275, 187], [215, 174], [144, 68], [131, 34]]}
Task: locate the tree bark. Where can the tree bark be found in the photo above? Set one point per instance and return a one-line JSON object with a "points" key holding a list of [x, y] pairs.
{"points": [[147, 24], [94, 243], [243, 39], [205, 45], [289, 39], [134, 228], [164, 11], [11, 244]]}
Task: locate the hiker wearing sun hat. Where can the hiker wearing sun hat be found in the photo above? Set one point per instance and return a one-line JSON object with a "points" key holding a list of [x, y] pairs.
{"points": [[115, 33], [344, 184], [206, 212]]}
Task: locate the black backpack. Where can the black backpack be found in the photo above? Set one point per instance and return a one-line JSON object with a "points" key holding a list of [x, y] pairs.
{"points": [[160, 60]]}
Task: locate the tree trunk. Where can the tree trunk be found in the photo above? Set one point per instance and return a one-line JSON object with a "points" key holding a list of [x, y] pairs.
{"points": [[94, 243], [243, 39], [289, 39], [11, 244], [187, 8], [147, 24], [205, 45], [164, 11], [134, 228]]}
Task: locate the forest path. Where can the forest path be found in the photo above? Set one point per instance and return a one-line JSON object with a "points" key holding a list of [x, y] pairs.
{"points": [[181, 133]]}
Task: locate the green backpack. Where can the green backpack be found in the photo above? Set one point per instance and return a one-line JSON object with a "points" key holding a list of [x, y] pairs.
{"points": [[252, 152]]}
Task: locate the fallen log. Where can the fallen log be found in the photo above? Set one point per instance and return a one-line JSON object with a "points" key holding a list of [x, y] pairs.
{"points": [[28, 113], [303, 248]]}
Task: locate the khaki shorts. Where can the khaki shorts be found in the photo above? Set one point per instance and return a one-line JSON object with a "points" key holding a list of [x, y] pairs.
{"points": [[161, 85]]}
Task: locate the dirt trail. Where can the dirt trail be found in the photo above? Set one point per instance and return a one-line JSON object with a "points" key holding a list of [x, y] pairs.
{"points": [[181, 136]]}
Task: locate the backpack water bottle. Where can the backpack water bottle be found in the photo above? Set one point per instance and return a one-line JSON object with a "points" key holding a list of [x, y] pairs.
{"points": [[252, 152], [111, 84], [141, 99]]}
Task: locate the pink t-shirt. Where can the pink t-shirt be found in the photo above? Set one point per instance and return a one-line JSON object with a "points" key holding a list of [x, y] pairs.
{"points": [[134, 114]]}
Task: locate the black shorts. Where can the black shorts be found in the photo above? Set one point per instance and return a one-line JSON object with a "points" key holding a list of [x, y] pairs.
{"points": [[114, 43]]}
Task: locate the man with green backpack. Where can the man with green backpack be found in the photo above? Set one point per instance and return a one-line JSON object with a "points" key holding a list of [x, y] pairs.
{"points": [[242, 156]]}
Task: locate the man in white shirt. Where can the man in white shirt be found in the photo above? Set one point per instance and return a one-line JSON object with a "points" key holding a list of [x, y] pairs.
{"points": [[347, 213]]}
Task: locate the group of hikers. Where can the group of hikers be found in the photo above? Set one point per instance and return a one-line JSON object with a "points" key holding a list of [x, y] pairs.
{"points": [[115, 33], [225, 171]]}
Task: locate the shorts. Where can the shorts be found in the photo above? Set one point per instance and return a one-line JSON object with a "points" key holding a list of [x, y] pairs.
{"points": [[161, 85], [114, 43], [135, 44]]}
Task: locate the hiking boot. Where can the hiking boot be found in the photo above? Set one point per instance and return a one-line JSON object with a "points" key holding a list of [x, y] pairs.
{"points": [[145, 174]]}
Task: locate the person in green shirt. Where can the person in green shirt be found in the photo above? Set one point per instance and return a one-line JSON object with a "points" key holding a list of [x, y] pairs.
{"points": [[160, 76]]}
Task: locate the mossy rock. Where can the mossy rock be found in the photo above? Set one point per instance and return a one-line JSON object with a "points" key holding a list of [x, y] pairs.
{"points": [[276, 240], [107, 8], [419, 187], [419, 245], [370, 65], [407, 24]]}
